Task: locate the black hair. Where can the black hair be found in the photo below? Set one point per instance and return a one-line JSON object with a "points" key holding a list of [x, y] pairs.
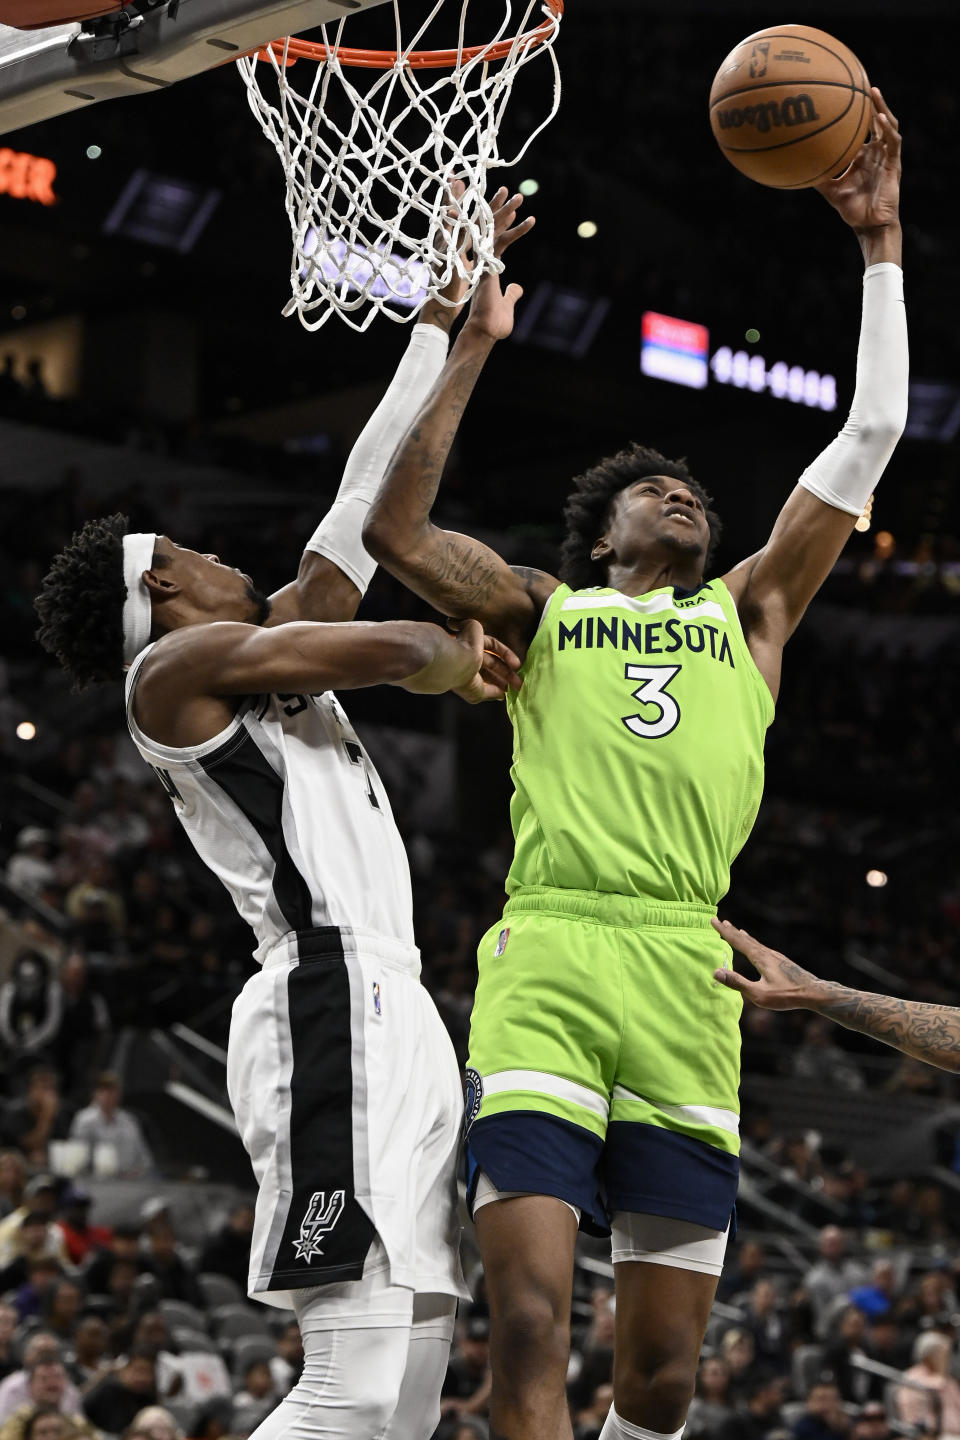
{"points": [[589, 504], [80, 603]]}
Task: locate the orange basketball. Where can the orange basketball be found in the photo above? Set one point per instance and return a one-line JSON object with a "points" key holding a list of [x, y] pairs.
{"points": [[790, 106]]}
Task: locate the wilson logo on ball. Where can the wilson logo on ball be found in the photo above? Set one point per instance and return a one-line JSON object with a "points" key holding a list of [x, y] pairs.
{"points": [[794, 110]]}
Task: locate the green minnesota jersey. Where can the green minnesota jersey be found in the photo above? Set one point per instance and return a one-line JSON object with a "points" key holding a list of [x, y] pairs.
{"points": [[638, 745]]}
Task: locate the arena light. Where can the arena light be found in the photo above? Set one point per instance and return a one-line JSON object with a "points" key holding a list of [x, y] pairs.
{"points": [[529, 187], [587, 229], [162, 210], [876, 879], [26, 730], [559, 318], [399, 280], [933, 412]]}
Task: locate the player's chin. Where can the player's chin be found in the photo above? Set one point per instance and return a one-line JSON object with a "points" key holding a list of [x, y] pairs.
{"points": [[685, 542]]}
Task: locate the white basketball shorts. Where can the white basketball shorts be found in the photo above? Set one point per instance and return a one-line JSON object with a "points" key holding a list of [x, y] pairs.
{"points": [[348, 1100]]}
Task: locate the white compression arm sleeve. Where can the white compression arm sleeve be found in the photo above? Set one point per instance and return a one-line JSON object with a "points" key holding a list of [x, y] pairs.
{"points": [[338, 536], [845, 474]]}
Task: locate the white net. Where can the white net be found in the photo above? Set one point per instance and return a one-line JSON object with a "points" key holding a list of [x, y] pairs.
{"points": [[369, 165]]}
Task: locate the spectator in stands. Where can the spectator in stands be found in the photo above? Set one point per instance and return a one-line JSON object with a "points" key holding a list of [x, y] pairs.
{"points": [[95, 904], [31, 1008], [39, 1116], [30, 1298], [466, 1385], [81, 1238], [153, 1422], [887, 1344], [9, 1350], [30, 869], [144, 904], [286, 1366], [871, 1423], [256, 1398], [123, 1245], [595, 1350], [748, 1260], [61, 1308], [45, 1422], [110, 1130], [833, 1275], [740, 1352], [897, 1212], [36, 1240], [227, 1252], [765, 1320], [175, 1277], [182, 1373], [939, 1412], [113, 1401], [758, 1412], [841, 1352], [878, 1295], [213, 1420], [41, 1348], [588, 1422], [91, 1352], [928, 1299], [86, 1028], [13, 1178], [711, 1406], [47, 1387], [824, 1418]]}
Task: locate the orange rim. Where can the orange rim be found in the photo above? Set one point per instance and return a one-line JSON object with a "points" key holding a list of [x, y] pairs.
{"points": [[417, 59]]}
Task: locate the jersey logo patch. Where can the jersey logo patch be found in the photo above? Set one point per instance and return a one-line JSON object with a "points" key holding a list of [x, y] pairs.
{"points": [[377, 1006], [322, 1214], [502, 939], [472, 1095]]}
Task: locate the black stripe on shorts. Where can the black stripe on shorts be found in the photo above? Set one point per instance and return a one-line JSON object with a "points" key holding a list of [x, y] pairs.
{"points": [[327, 1235]]}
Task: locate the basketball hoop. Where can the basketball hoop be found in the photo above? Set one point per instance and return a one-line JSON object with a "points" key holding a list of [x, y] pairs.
{"points": [[369, 171]]}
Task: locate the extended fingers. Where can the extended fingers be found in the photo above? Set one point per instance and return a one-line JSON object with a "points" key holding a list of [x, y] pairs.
{"points": [[883, 109]]}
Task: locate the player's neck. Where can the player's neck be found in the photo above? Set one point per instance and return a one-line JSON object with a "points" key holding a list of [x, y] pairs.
{"points": [[657, 575]]}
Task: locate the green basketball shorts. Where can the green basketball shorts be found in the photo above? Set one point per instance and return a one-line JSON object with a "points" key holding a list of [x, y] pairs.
{"points": [[604, 1058]]}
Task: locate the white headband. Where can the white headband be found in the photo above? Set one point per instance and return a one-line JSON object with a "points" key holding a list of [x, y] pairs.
{"points": [[137, 619]]}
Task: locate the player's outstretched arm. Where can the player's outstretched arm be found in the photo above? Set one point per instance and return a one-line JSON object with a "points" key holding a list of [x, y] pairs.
{"points": [[335, 569], [456, 574], [187, 691], [927, 1032], [774, 588]]}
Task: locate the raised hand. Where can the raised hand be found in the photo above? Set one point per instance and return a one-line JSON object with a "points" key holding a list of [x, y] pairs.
{"points": [[782, 984], [444, 310], [867, 194], [492, 309]]}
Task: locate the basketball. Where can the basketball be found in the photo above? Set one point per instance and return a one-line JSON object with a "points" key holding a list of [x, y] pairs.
{"points": [[790, 106]]}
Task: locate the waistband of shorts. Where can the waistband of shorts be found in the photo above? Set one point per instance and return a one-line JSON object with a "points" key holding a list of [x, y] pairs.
{"points": [[627, 912], [332, 942]]}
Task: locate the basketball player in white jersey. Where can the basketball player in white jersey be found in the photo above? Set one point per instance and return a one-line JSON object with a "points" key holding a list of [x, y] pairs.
{"points": [[341, 1075]]}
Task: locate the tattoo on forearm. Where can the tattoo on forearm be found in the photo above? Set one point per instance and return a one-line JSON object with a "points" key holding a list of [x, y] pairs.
{"points": [[928, 1032], [462, 571]]}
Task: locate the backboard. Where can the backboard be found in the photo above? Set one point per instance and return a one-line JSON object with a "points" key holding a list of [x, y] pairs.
{"points": [[51, 71]]}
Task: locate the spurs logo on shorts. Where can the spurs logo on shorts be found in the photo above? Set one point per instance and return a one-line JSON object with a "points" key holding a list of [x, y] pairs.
{"points": [[322, 1214]]}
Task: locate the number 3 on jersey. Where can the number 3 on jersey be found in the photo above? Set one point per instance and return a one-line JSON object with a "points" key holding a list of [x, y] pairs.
{"points": [[653, 692]]}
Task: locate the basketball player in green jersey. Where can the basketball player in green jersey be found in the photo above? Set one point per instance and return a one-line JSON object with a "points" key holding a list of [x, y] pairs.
{"points": [[603, 1069]]}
